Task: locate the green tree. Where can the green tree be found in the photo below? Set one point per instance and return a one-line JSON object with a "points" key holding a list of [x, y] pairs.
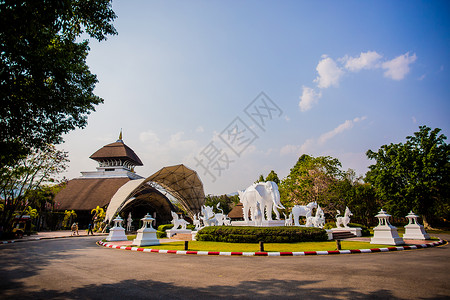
{"points": [[98, 217], [46, 87], [226, 203], [69, 216], [414, 175], [311, 179], [18, 182], [273, 177], [260, 178]]}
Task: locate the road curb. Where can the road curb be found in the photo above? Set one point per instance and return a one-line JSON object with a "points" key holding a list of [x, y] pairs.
{"points": [[306, 253]]}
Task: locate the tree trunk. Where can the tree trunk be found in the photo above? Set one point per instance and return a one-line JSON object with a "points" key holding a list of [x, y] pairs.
{"points": [[426, 223]]}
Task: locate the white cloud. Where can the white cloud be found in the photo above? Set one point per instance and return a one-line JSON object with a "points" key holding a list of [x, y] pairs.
{"points": [[200, 129], [308, 98], [329, 73], [398, 67], [348, 124], [330, 134], [149, 137], [289, 149], [366, 60], [310, 145]]}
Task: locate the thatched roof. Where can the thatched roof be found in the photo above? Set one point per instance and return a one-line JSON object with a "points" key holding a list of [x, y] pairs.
{"points": [[184, 184], [117, 151], [88, 193], [236, 213]]}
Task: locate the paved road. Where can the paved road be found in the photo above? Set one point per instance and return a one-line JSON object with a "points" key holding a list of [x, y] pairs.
{"points": [[78, 269]]}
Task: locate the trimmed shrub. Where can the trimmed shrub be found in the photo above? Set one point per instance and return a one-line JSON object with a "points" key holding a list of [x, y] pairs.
{"points": [[161, 234], [165, 227], [329, 225], [248, 234]]}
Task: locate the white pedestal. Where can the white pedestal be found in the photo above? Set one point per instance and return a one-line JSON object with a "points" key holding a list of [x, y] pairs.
{"points": [[116, 234], [386, 235], [272, 223], [146, 237], [415, 232], [355, 230], [194, 235], [172, 232]]}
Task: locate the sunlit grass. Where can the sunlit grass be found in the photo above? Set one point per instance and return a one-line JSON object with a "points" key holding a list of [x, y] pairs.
{"points": [[269, 247]]}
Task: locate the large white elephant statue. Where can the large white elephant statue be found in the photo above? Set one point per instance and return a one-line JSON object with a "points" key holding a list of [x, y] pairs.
{"points": [[265, 194], [270, 199], [249, 197], [302, 210]]}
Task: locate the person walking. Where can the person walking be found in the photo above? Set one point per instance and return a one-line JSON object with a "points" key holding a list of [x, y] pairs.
{"points": [[90, 229], [73, 228]]}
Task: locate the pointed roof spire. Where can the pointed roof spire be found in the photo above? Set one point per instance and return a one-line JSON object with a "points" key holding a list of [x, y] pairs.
{"points": [[120, 136]]}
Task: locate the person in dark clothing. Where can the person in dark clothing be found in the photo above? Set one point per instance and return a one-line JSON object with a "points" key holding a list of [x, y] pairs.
{"points": [[90, 229]]}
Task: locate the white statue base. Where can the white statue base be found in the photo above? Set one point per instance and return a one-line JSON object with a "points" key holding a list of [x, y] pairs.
{"points": [[415, 232], [194, 235], [172, 232], [146, 237], [386, 235], [116, 234], [355, 230], [271, 223]]}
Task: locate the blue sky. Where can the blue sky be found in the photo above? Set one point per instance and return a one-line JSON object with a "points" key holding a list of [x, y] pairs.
{"points": [[184, 81]]}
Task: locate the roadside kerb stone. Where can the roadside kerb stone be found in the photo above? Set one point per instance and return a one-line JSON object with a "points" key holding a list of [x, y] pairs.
{"points": [[305, 253]]}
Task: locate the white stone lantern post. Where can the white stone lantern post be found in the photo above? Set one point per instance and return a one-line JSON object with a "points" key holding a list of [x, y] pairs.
{"points": [[414, 231], [385, 233], [117, 233], [146, 236]]}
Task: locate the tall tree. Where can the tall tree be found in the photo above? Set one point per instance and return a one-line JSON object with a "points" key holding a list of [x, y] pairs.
{"points": [[273, 177], [414, 175], [18, 183], [310, 180], [46, 88]]}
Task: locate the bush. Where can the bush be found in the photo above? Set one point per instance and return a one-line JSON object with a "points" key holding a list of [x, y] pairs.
{"points": [[235, 234], [165, 227], [329, 225]]}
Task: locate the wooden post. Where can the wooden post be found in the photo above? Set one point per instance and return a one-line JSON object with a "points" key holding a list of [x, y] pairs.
{"points": [[261, 246], [338, 244], [186, 245]]}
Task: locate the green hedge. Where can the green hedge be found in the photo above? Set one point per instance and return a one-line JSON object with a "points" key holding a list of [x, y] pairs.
{"points": [[283, 234]]}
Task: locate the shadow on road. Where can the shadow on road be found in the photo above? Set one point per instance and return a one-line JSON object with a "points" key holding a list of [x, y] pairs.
{"points": [[150, 289]]}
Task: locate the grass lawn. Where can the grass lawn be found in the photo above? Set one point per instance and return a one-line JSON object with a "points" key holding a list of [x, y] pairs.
{"points": [[268, 247]]}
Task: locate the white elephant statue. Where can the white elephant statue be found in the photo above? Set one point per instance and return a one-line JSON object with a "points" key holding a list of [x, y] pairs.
{"points": [[270, 199], [302, 210], [249, 198], [264, 194]]}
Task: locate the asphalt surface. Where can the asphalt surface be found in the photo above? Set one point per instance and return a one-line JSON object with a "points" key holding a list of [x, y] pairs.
{"points": [[76, 268]]}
